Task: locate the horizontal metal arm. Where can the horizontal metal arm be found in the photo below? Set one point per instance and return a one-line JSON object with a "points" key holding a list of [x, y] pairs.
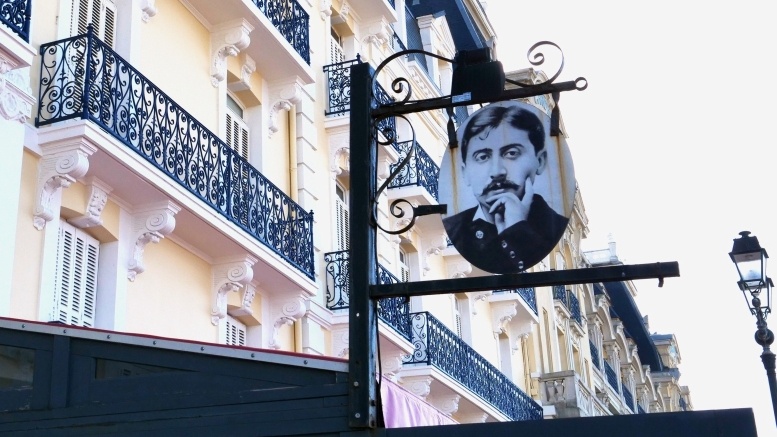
{"points": [[523, 280]]}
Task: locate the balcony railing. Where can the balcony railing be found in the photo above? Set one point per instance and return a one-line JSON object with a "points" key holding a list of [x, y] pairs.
{"points": [[436, 345], [595, 355], [118, 98], [640, 410], [570, 301], [394, 311], [16, 15], [612, 379], [420, 171], [627, 396], [292, 22], [528, 294]]}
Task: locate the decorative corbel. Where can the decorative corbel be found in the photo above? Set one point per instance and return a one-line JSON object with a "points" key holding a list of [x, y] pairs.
{"points": [[501, 314], [554, 390], [249, 293], [448, 403], [459, 269], [326, 9], [340, 155], [149, 226], [246, 70], [340, 338], [228, 277], [419, 385], [473, 417], [148, 9], [58, 168], [436, 246], [98, 197], [288, 96], [15, 94], [287, 313], [345, 10], [227, 42], [391, 364]]}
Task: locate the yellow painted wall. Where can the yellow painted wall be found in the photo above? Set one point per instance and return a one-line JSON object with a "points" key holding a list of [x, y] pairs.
{"points": [[176, 58], [29, 246], [173, 296]]}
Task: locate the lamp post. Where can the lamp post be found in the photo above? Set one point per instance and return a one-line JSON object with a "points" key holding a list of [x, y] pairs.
{"points": [[750, 260]]}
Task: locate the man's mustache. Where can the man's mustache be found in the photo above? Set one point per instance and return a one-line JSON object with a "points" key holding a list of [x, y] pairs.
{"points": [[501, 184]]}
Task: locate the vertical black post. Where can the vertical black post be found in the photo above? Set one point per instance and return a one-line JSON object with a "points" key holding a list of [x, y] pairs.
{"points": [[362, 394], [768, 358]]}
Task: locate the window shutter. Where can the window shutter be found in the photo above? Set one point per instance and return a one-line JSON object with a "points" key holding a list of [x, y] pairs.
{"points": [[237, 134], [76, 277], [102, 15], [335, 48], [236, 332], [343, 225]]}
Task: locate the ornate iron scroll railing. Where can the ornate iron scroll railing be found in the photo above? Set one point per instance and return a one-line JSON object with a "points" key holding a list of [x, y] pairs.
{"points": [[527, 294], [111, 93], [420, 171], [436, 345], [395, 311], [628, 397], [595, 355], [338, 78], [292, 22], [570, 301], [16, 15], [612, 379]]}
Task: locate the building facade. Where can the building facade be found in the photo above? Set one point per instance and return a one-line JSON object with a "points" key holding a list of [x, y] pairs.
{"points": [[180, 168]]}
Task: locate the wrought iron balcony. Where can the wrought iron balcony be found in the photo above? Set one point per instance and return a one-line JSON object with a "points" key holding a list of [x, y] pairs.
{"points": [[292, 22], [528, 294], [394, 311], [81, 77], [16, 15], [627, 396], [420, 171], [570, 301], [612, 379], [436, 345], [595, 355]]}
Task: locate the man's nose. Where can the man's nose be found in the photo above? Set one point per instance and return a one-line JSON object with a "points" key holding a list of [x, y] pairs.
{"points": [[497, 169]]}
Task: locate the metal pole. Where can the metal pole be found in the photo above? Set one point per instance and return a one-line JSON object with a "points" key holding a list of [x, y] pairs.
{"points": [[765, 337], [768, 359]]}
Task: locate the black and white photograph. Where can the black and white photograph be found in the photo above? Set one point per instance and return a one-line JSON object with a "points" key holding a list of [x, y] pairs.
{"points": [[509, 187]]}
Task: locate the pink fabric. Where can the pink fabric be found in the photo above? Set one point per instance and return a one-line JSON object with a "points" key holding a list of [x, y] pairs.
{"points": [[402, 409]]}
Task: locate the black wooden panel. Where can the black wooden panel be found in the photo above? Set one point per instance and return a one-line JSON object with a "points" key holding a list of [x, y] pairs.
{"points": [[717, 423]]}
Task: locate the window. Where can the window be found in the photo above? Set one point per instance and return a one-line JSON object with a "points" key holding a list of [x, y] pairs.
{"points": [[236, 332], [237, 130], [335, 48], [100, 13], [75, 284], [342, 221], [404, 270]]}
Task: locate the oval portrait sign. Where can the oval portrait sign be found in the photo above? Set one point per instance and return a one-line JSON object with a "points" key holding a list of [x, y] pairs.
{"points": [[509, 187]]}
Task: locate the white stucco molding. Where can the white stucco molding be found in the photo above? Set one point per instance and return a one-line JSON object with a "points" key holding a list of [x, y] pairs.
{"points": [[228, 40], [286, 313], [148, 9], [230, 276], [59, 166], [96, 200], [501, 314], [435, 246], [473, 417], [325, 10], [458, 269], [287, 95], [340, 338], [149, 225], [15, 94]]}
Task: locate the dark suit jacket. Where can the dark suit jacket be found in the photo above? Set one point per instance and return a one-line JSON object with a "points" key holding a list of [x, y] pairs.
{"points": [[519, 247]]}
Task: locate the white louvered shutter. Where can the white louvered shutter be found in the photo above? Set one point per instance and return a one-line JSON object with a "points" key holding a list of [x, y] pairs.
{"points": [[236, 332], [342, 220], [76, 277], [237, 134], [102, 15], [404, 270], [335, 49]]}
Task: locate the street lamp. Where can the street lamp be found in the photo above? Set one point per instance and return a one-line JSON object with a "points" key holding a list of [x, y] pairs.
{"points": [[750, 260]]}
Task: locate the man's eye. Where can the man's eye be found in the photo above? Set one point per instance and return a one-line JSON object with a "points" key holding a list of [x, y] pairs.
{"points": [[480, 157], [511, 153]]}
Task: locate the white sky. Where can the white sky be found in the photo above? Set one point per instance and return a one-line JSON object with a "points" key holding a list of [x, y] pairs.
{"points": [[673, 154]]}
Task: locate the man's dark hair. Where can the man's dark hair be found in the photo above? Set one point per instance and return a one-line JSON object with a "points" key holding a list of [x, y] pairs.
{"points": [[492, 116]]}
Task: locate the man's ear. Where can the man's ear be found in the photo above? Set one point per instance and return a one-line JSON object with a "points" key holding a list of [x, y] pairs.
{"points": [[542, 158]]}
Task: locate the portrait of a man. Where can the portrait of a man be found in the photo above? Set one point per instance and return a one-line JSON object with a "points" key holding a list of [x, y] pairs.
{"points": [[503, 151]]}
